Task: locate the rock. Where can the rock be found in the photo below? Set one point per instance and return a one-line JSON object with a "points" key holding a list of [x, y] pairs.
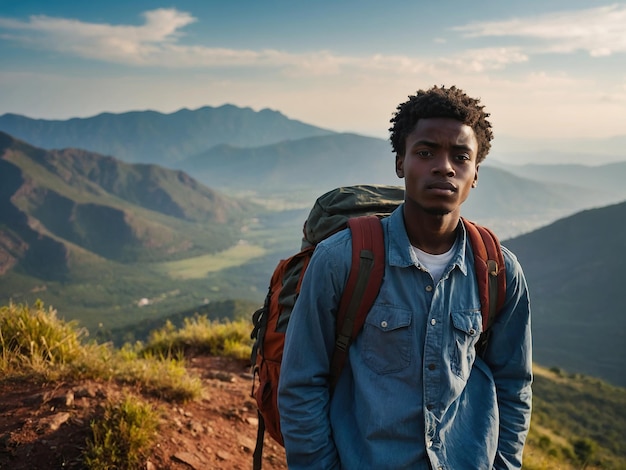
{"points": [[88, 391], [69, 399], [232, 413], [221, 376], [188, 458], [246, 444], [61, 400], [195, 427], [54, 422], [223, 455]]}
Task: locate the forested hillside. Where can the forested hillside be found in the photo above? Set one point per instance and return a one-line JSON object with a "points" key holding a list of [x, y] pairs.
{"points": [[98, 237], [574, 272]]}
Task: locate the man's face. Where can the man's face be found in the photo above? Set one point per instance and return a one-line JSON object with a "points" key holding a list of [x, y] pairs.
{"points": [[439, 165]]}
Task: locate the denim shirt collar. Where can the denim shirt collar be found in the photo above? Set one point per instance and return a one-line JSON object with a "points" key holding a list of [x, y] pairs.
{"points": [[398, 249]]}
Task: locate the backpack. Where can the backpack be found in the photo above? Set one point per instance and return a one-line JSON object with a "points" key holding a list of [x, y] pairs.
{"points": [[358, 208]]}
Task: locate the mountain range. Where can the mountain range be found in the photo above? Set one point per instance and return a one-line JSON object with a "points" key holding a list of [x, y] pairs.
{"points": [[152, 137], [574, 272], [92, 233], [507, 198], [86, 226], [236, 149], [73, 198]]}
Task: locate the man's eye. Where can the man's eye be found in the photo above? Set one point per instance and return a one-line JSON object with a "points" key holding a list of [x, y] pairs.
{"points": [[424, 153], [463, 157]]}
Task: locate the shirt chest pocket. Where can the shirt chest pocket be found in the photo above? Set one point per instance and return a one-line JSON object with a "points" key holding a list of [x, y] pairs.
{"points": [[387, 339], [467, 328]]}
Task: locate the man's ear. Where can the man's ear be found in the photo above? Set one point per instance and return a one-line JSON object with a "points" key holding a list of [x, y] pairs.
{"points": [[475, 182], [400, 166]]}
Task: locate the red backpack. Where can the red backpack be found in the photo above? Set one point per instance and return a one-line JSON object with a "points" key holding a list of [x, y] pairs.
{"points": [[358, 208]]}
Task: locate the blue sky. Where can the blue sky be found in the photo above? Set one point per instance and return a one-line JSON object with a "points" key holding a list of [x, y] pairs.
{"points": [[549, 69]]}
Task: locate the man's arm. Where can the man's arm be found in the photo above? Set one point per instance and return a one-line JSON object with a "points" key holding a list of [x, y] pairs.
{"points": [[303, 393], [509, 355]]}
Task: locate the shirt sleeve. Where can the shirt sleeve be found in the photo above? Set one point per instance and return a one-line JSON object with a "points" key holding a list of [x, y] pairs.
{"points": [[303, 393], [509, 355]]}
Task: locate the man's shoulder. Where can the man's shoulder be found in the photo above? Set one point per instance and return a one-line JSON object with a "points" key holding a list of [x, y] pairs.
{"points": [[514, 271], [510, 258], [336, 246], [341, 237]]}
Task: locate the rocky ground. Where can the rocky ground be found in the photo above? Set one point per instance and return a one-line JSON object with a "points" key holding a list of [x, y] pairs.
{"points": [[45, 426]]}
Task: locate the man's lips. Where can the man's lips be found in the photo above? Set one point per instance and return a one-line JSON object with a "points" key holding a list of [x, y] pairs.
{"points": [[442, 186]]}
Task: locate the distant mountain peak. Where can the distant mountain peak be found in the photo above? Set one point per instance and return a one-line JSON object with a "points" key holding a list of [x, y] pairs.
{"points": [[155, 137]]}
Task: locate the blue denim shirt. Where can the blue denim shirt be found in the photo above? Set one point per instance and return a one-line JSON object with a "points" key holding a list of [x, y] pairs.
{"points": [[413, 394]]}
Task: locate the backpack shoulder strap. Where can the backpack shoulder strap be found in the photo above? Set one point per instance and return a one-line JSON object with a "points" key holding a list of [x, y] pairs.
{"points": [[361, 290], [490, 270]]}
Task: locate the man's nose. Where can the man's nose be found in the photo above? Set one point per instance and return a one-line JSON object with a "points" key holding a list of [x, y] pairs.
{"points": [[443, 165]]}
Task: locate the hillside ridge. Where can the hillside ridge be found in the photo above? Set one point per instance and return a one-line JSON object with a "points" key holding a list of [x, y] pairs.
{"points": [[118, 211], [572, 267], [45, 426]]}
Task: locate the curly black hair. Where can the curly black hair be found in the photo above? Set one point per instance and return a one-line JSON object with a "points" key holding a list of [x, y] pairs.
{"points": [[441, 102]]}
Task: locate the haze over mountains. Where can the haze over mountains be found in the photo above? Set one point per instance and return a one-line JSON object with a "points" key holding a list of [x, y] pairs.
{"points": [[82, 225], [152, 137], [234, 149], [505, 198]]}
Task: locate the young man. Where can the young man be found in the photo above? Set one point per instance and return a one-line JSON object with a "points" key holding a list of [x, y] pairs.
{"points": [[413, 393]]}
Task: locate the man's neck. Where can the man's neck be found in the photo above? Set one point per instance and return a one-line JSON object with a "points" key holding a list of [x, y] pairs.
{"points": [[434, 234]]}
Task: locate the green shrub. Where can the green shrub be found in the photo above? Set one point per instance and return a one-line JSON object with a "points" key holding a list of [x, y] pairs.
{"points": [[585, 450], [35, 342], [201, 335], [160, 376], [36, 338], [122, 437]]}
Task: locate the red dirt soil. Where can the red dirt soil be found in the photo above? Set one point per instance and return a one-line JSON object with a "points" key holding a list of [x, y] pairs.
{"points": [[46, 426]]}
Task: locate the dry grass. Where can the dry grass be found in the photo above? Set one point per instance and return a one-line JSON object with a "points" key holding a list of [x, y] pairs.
{"points": [[35, 343]]}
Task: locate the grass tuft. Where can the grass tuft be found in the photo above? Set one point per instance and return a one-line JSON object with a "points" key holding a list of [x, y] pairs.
{"points": [[199, 335], [34, 339], [123, 436], [34, 342]]}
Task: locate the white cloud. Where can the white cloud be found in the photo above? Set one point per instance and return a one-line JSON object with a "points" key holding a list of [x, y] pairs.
{"points": [[599, 31], [343, 92], [157, 43], [481, 60], [113, 43]]}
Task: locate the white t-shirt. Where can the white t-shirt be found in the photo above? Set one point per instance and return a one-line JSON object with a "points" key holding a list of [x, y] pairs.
{"points": [[434, 264]]}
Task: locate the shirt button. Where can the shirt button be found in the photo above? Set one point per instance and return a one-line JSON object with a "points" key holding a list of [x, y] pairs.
{"points": [[383, 324], [433, 322], [429, 444], [472, 331], [429, 288], [430, 406], [432, 366]]}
